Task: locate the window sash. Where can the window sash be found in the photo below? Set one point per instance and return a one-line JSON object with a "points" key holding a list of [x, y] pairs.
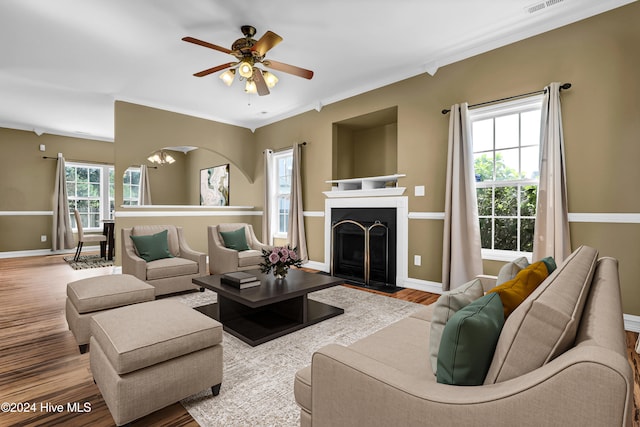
{"points": [[93, 208], [282, 174], [494, 112]]}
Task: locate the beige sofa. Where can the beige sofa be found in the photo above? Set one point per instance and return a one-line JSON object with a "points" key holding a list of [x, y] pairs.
{"points": [[168, 275], [541, 373]]}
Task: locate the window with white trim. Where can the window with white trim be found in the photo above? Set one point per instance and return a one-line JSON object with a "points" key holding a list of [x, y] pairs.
{"points": [[90, 189], [131, 187], [281, 191], [506, 147]]}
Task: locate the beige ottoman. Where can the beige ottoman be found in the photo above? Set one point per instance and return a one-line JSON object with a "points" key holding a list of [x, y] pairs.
{"points": [[93, 295], [147, 356]]}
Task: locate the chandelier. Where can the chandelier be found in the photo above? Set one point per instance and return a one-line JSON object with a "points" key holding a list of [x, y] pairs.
{"points": [[161, 157]]}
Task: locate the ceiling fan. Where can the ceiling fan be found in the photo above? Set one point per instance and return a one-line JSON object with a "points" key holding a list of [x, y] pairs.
{"points": [[249, 53]]}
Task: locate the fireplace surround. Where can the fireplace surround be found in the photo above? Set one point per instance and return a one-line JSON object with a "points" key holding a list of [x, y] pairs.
{"points": [[398, 250]]}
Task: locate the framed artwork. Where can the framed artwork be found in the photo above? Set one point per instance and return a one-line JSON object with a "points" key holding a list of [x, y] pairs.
{"points": [[214, 186]]}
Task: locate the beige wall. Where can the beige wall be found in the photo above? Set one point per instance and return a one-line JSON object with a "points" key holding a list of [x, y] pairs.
{"points": [[599, 56], [27, 181]]}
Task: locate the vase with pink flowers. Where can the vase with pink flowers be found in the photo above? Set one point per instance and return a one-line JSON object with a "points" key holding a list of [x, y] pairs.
{"points": [[278, 260]]}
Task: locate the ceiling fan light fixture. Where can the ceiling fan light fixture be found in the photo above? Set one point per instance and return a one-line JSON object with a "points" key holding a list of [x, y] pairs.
{"points": [[246, 69], [228, 76], [250, 87], [270, 79]]}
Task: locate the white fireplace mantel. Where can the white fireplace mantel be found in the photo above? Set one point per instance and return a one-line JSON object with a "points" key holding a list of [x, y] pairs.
{"points": [[402, 213]]}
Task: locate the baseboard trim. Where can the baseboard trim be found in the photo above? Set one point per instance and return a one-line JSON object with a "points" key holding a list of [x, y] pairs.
{"points": [[422, 285], [34, 252], [631, 322], [320, 266]]}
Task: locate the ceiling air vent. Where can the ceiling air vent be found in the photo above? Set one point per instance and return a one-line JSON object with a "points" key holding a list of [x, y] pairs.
{"points": [[537, 7]]}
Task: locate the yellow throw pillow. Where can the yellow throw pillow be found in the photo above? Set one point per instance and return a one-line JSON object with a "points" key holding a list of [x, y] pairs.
{"points": [[516, 290]]}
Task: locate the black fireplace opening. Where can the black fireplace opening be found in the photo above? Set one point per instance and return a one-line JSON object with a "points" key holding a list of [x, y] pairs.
{"points": [[351, 228]]}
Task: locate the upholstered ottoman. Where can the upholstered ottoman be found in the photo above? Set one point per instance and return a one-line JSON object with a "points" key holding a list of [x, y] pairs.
{"points": [[150, 355], [93, 295]]}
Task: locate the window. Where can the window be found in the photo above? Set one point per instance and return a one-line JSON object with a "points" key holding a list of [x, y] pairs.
{"points": [[131, 187], [506, 141], [90, 189], [281, 190]]}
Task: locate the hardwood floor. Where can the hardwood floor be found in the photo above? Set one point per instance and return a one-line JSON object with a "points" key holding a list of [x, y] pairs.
{"points": [[40, 363]]}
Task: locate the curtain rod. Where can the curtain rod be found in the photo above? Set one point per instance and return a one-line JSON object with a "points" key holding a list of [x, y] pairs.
{"points": [[88, 161], [284, 149], [78, 161], [564, 86]]}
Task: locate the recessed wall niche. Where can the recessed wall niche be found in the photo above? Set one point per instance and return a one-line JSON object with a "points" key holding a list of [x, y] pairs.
{"points": [[366, 145]]}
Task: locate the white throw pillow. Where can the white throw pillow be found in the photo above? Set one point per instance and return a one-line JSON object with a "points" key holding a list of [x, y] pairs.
{"points": [[511, 269], [444, 308]]}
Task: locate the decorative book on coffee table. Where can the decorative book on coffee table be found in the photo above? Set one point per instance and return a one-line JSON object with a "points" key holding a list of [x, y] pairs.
{"points": [[240, 279]]}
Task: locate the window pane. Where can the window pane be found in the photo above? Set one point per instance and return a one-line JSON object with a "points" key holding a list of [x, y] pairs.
{"points": [[94, 175], [94, 190], [82, 189], [82, 206], [528, 199], [95, 220], [70, 173], [126, 192], [507, 164], [506, 234], [134, 191], [135, 177], [530, 162], [506, 203], [530, 128], [482, 135], [126, 179], [82, 174], [483, 167], [485, 233], [485, 201], [507, 131], [71, 189], [526, 234]]}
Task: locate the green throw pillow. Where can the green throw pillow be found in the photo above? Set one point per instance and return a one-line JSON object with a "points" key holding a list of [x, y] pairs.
{"points": [[152, 247], [235, 240], [469, 340], [448, 304], [550, 263]]}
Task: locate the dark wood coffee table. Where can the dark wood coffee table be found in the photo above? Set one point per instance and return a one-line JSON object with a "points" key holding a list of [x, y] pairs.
{"points": [[271, 310]]}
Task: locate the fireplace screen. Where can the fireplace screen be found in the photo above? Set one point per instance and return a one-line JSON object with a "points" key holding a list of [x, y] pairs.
{"points": [[362, 247]]}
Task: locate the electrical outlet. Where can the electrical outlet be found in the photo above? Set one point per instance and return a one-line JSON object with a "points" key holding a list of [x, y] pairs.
{"points": [[419, 190], [43, 238], [417, 260]]}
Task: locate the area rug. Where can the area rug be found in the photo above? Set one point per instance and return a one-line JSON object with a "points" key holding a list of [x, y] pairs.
{"points": [[257, 388], [88, 261]]}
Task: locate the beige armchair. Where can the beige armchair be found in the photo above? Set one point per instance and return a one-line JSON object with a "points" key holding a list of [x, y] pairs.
{"points": [[225, 260], [167, 275]]}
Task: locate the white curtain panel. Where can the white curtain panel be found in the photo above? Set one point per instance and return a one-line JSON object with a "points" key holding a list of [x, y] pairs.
{"points": [[267, 236], [144, 196], [551, 235], [296, 233], [61, 230], [461, 251]]}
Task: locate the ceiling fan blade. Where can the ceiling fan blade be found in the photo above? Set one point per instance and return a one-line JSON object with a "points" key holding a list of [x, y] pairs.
{"points": [[207, 44], [291, 69], [261, 85], [214, 69], [266, 42]]}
